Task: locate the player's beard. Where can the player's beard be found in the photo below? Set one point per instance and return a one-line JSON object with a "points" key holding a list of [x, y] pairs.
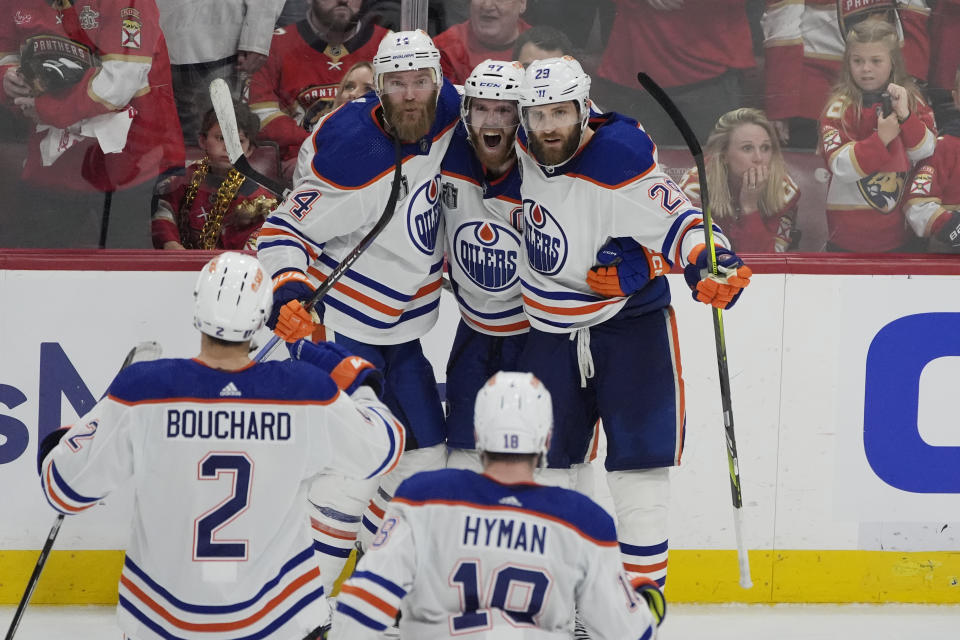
{"points": [[410, 126], [553, 156], [333, 22], [496, 157]]}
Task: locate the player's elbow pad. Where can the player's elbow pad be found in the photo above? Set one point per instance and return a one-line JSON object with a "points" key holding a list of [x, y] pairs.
{"points": [[49, 442]]}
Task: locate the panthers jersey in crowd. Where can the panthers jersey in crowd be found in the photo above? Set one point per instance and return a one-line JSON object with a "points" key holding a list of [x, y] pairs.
{"points": [[460, 554], [343, 181], [482, 221], [219, 462], [934, 192], [612, 187], [301, 71]]}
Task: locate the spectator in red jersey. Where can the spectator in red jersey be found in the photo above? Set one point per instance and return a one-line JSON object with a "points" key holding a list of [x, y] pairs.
{"points": [[540, 43], [212, 206], [804, 43], [307, 60], [694, 49], [752, 197], [210, 39], [94, 80], [933, 196], [489, 34], [944, 58], [357, 82], [869, 153]]}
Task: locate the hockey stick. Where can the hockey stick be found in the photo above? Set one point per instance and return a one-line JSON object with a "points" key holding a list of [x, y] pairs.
{"points": [[150, 351], [351, 257], [681, 123], [222, 102]]}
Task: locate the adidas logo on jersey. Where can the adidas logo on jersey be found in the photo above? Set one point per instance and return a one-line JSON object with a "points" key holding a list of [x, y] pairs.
{"points": [[230, 390], [511, 501]]}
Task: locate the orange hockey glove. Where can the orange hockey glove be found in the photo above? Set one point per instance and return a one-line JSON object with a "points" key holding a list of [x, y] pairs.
{"points": [[722, 290]]}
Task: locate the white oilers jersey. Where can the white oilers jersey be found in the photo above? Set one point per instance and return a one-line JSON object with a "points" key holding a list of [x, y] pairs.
{"points": [[613, 187], [345, 172], [220, 462], [461, 555], [482, 221]]}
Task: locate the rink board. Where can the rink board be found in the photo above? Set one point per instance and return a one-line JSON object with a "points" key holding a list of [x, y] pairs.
{"points": [[843, 375]]}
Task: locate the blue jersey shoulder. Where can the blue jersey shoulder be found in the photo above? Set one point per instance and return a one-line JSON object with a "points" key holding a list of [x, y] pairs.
{"points": [[620, 151], [353, 149], [466, 487], [460, 158], [172, 379]]}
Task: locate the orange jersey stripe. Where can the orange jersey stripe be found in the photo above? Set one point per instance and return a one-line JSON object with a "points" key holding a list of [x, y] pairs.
{"points": [[220, 626], [331, 531], [645, 568], [370, 599], [52, 492], [515, 326], [569, 311]]}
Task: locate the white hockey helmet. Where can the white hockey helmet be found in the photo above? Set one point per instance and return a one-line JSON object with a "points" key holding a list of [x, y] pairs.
{"points": [[555, 80], [406, 51], [492, 80], [513, 413], [233, 297]]}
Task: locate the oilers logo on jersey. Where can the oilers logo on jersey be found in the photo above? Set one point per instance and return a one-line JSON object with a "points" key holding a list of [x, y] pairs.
{"points": [[487, 253], [423, 215], [544, 238]]}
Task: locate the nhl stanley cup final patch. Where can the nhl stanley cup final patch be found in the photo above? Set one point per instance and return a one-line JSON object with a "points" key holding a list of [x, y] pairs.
{"points": [[132, 26]]}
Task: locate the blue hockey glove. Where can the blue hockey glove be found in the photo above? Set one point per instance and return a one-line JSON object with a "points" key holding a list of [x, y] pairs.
{"points": [[347, 370], [624, 266], [723, 290]]}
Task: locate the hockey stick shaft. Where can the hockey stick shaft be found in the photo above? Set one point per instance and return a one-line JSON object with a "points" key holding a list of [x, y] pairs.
{"points": [[357, 251], [55, 529], [222, 101], [693, 144]]}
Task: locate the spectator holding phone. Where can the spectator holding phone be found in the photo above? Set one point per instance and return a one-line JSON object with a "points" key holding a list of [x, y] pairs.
{"points": [[874, 128]]}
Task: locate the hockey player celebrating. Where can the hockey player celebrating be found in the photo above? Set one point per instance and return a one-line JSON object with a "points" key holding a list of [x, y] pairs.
{"points": [[219, 452], [602, 223], [456, 547], [480, 192], [390, 297]]}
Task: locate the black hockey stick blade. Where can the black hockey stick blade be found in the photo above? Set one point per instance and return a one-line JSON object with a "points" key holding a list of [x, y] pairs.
{"points": [[222, 101], [664, 101]]}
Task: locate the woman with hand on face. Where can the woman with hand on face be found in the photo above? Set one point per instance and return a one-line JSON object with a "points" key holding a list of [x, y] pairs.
{"points": [[751, 196]]}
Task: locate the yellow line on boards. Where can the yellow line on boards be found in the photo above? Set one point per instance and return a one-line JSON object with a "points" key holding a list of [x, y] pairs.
{"points": [[90, 577]]}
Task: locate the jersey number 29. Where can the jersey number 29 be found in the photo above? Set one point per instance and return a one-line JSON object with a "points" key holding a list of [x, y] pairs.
{"points": [[475, 614]]}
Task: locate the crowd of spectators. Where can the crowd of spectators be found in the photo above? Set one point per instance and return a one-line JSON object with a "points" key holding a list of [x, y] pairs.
{"points": [[105, 121]]}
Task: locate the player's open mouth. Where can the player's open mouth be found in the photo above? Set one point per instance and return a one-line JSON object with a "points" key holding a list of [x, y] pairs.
{"points": [[492, 140]]}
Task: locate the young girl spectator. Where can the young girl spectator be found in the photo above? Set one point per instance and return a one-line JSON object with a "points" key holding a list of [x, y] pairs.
{"points": [[751, 196], [212, 206], [867, 153]]}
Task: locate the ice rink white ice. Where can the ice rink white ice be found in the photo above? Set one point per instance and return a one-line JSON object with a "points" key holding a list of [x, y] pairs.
{"points": [[684, 622]]}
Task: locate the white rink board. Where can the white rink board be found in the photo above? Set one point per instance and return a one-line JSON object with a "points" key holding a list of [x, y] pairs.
{"points": [[797, 348]]}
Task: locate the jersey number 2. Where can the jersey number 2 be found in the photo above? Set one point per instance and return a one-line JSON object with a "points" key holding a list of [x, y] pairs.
{"points": [[476, 614], [205, 547], [669, 195]]}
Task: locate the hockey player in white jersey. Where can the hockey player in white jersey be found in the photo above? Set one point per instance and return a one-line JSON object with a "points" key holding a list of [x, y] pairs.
{"points": [[219, 452], [497, 556], [480, 196], [390, 297], [602, 225]]}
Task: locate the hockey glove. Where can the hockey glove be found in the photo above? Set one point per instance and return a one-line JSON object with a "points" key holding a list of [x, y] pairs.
{"points": [[652, 594], [347, 370], [48, 444], [288, 318], [948, 232], [722, 290], [624, 266]]}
